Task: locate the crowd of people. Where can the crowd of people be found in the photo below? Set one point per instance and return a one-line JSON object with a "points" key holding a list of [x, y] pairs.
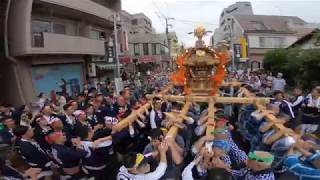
{"points": [[74, 138]]}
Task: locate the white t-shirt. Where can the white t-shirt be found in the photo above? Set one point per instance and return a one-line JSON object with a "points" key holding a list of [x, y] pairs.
{"points": [[155, 175], [278, 84]]}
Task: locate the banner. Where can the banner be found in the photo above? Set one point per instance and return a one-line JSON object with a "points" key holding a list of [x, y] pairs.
{"points": [[244, 50]]}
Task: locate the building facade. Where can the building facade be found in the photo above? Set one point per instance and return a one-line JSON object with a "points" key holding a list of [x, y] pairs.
{"points": [[309, 41], [55, 46], [239, 8], [251, 36], [146, 49]]}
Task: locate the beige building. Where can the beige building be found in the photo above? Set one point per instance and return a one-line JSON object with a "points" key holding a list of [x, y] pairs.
{"points": [[309, 41], [264, 33], [145, 47], [51, 43], [251, 36]]}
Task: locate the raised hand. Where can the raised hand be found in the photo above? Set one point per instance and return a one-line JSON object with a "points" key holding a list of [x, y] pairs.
{"points": [[163, 147]]}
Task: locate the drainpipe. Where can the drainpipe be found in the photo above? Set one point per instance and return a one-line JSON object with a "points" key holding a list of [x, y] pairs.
{"points": [[7, 53]]}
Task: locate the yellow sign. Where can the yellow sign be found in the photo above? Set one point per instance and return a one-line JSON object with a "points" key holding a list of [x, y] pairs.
{"points": [[243, 43]]}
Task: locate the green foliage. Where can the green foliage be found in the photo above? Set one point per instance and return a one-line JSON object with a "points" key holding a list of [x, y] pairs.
{"points": [[300, 67]]}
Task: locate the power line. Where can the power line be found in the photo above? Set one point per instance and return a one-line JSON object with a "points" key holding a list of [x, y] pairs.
{"points": [[200, 22], [160, 18], [167, 6], [156, 6]]}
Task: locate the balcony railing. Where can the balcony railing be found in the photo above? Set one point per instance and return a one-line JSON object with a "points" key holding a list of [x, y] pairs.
{"points": [[50, 43], [85, 6], [37, 39]]}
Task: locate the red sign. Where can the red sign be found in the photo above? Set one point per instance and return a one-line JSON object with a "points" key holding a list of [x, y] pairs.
{"points": [[147, 59], [125, 60]]}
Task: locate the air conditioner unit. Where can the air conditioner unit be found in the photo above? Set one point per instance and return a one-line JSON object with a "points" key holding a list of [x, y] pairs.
{"points": [[92, 72]]}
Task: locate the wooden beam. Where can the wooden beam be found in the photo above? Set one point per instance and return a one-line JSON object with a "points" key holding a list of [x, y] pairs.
{"points": [[131, 118], [211, 121], [232, 84], [136, 114], [167, 89], [281, 130], [218, 99], [173, 131]]}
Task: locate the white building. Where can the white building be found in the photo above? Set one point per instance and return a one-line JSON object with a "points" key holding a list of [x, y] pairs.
{"points": [[251, 36]]}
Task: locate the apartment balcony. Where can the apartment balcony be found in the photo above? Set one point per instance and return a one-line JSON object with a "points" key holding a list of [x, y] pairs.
{"points": [[83, 6], [49, 43]]}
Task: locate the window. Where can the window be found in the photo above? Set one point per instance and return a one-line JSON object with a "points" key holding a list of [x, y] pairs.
{"points": [[162, 50], [145, 49], [154, 49], [134, 22], [58, 28], [38, 27], [158, 47], [259, 25], [41, 26], [48, 26], [95, 34], [271, 42], [37, 39], [136, 49]]}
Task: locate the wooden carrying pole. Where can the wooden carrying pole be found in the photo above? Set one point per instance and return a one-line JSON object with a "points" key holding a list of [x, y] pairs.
{"points": [[211, 121], [281, 130], [232, 84], [131, 118], [236, 100], [173, 131], [137, 113]]}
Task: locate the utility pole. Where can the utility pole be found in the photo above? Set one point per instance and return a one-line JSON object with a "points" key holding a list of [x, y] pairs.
{"points": [[168, 38], [115, 18], [231, 44]]}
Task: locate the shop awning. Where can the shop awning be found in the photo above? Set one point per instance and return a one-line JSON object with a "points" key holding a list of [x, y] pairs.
{"points": [[107, 66]]}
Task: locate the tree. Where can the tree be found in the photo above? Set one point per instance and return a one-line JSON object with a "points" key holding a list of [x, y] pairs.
{"points": [[300, 67]]}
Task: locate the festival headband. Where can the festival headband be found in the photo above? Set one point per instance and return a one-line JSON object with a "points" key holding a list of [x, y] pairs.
{"points": [[53, 120], [77, 113], [111, 120], [253, 156], [53, 136], [222, 144], [220, 131], [139, 159], [164, 130]]}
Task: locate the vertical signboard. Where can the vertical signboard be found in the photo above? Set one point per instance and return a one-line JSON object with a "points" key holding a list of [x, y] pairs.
{"points": [[236, 52], [118, 85], [244, 50]]}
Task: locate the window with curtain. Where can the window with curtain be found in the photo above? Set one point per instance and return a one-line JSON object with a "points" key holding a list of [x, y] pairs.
{"points": [[145, 49], [271, 42], [136, 49], [58, 28], [154, 49]]}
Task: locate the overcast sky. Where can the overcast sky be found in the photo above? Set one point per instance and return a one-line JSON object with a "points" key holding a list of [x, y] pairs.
{"points": [[189, 13]]}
